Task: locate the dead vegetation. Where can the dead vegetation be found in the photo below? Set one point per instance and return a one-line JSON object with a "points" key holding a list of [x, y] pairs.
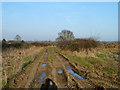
{"points": [[78, 44], [6, 45], [42, 44], [15, 60], [103, 57], [100, 64]]}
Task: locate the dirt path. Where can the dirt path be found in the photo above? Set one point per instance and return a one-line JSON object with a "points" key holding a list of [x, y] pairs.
{"points": [[58, 72], [55, 71], [75, 79], [43, 71]]}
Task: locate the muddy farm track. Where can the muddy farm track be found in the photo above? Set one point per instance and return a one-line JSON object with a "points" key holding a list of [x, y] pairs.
{"points": [[53, 70]]}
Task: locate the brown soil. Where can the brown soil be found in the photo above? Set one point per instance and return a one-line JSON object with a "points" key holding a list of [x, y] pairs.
{"points": [[30, 77]]}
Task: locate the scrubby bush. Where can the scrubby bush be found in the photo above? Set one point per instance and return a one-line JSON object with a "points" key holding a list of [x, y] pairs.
{"points": [[78, 44], [15, 44], [42, 44]]}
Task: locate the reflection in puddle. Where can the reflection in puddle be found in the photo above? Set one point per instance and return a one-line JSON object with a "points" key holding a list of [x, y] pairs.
{"points": [[45, 58], [43, 75], [60, 71], [73, 73], [43, 64]]}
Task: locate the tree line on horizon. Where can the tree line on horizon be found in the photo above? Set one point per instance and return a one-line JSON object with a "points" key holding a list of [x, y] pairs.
{"points": [[65, 40]]}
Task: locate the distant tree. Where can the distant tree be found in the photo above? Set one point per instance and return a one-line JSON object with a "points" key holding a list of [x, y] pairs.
{"points": [[4, 41], [17, 38], [65, 35], [22, 41]]}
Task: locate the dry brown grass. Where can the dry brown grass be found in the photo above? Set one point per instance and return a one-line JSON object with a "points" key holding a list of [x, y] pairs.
{"points": [[13, 60]]}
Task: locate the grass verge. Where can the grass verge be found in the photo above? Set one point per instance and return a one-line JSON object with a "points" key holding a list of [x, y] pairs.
{"points": [[81, 60]]}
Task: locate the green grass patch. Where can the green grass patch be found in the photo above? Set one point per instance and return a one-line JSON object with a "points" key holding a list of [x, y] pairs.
{"points": [[8, 84], [45, 47], [31, 59], [12, 75], [3, 83], [82, 61], [93, 60], [27, 58], [26, 64], [112, 56], [110, 70], [51, 55], [51, 58], [118, 53], [101, 55]]}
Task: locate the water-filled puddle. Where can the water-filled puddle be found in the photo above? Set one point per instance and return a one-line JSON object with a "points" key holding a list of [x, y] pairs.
{"points": [[45, 58], [52, 51], [63, 60], [60, 71], [73, 73], [44, 64], [43, 75]]}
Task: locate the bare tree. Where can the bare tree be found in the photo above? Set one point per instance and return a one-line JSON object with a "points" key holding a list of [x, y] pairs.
{"points": [[17, 38], [3, 41], [65, 35]]}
